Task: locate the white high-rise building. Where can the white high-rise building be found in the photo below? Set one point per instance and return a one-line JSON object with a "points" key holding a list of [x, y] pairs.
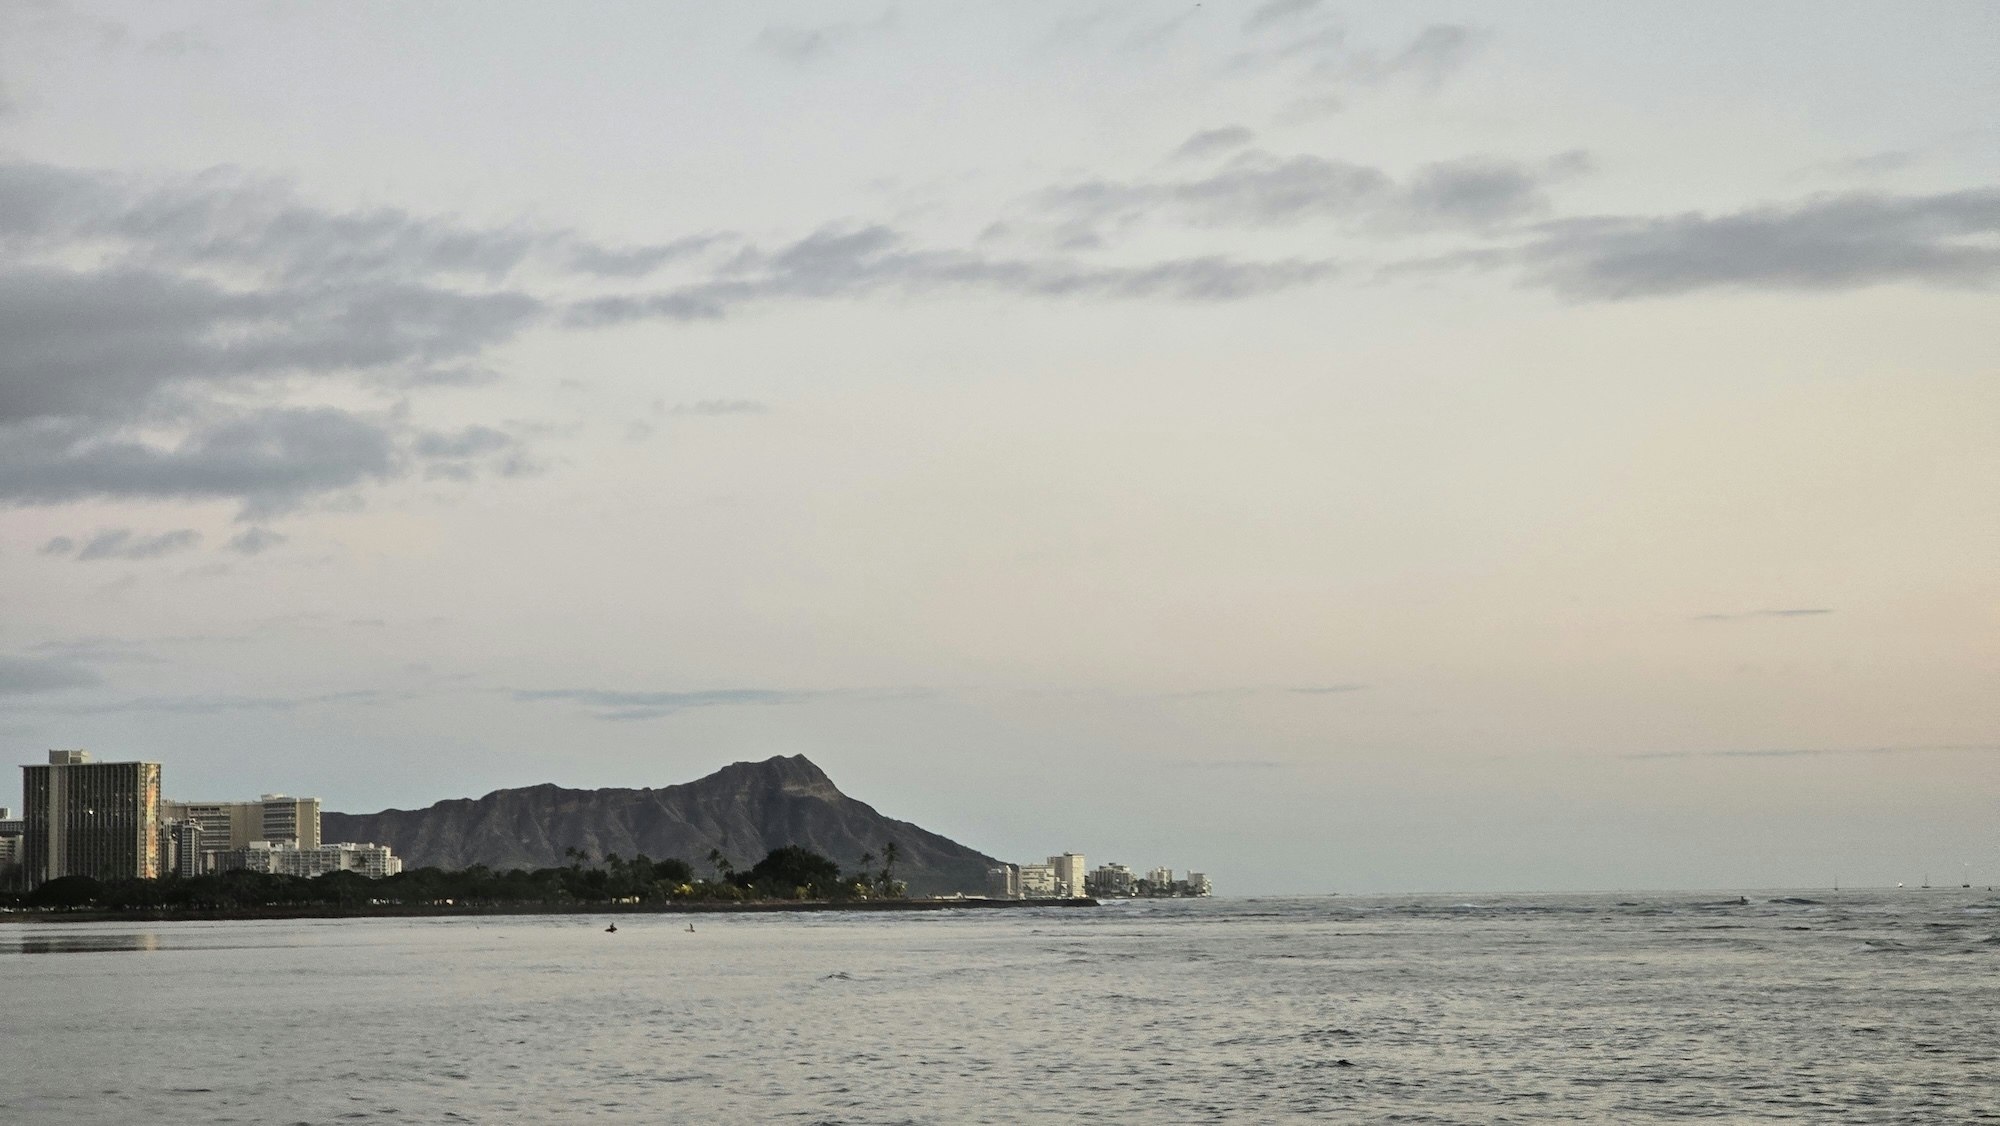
{"points": [[1069, 874]]}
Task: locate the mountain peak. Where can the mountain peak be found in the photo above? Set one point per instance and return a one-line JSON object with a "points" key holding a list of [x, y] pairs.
{"points": [[795, 775], [743, 810]]}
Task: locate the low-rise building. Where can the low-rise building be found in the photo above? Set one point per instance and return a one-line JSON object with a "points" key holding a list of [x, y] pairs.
{"points": [[371, 860], [1038, 881]]}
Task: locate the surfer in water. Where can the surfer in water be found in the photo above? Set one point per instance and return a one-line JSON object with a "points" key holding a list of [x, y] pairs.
{"points": [[612, 929]]}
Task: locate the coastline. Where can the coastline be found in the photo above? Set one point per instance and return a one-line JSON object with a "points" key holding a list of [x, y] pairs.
{"points": [[473, 910]]}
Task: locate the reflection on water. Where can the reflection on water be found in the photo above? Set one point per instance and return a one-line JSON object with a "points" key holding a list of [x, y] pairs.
{"points": [[79, 943]]}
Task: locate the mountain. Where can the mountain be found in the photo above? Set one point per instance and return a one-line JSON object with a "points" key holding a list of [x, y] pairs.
{"points": [[745, 809]]}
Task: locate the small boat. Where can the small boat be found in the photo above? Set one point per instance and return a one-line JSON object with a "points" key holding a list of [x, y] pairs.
{"points": [[612, 929]]}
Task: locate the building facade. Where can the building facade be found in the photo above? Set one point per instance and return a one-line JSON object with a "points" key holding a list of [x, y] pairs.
{"points": [[225, 825], [84, 818], [371, 860], [1003, 882], [1069, 874], [181, 852], [1038, 881]]}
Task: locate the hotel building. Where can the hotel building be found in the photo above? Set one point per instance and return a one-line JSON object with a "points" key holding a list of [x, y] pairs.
{"points": [[84, 818]]}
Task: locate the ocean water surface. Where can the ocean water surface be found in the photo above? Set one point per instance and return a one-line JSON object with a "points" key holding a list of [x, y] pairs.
{"points": [[1849, 1007]]}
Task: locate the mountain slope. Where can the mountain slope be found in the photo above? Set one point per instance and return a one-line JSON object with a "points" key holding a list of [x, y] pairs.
{"points": [[745, 809]]}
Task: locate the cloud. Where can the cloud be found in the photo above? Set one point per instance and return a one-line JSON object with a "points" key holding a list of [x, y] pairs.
{"points": [[1805, 612], [1328, 689], [23, 676], [255, 541], [113, 343], [124, 543], [808, 44], [1277, 12], [1823, 752], [269, 459], [625, 706], [1213, 142], [212, 704], [160, 332], [1326, 65], [839, 263], [721, 406], [1867, 166], [1830, 242], [1262, 189], [97, 651]]}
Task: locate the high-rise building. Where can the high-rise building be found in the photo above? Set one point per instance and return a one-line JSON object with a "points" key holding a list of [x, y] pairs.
{"points": [[1069, 873], [1112, 880], [84, 818], [276, 818], [181, 851], [1003, 881]]}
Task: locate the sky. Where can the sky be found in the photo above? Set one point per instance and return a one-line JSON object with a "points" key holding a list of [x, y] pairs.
{"points": [[1336, 448]]}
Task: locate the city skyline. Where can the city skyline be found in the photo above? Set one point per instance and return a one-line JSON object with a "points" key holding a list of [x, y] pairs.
{"points": [[1439, 447]]}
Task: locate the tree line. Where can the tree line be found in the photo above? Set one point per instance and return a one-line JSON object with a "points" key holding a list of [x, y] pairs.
{"points": [[789, 872]]}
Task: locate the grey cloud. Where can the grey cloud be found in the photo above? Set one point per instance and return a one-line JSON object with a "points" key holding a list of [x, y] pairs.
{"points": [[1332, 64], [212, 704], [722, 406], [106, 344], [221, 286], [1826, 243], [1277, 11], [472, 441], [625, 262], [123, 543], [255, 541], [806, 44], [1805, 612], [836, 263], [269, 459], [22, 676], [1328, 689], [1429, 59], [60, 545], [97, 651], [625, 706], [1213, 142], [1867, 166], [1823, 752], [1263, 189]]}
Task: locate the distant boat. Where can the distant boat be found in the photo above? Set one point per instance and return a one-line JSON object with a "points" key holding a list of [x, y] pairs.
{"points": [[612, 929]]}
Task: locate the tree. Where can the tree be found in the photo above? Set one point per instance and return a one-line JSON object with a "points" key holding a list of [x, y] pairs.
{"points": [[791, 870], [890, 854], [66, 891]]}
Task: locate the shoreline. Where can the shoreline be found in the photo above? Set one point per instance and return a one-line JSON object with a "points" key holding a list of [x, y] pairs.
{"points": [[480, 910]]}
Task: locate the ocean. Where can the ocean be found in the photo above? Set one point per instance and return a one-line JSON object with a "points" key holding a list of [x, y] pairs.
{"points": [[1819, 1007]]}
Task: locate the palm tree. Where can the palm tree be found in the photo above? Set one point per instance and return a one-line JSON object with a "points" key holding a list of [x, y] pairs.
{"points": [[890, 854]]}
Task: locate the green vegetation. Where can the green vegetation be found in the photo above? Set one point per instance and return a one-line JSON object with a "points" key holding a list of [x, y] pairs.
{"points": [[790, 872]]}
